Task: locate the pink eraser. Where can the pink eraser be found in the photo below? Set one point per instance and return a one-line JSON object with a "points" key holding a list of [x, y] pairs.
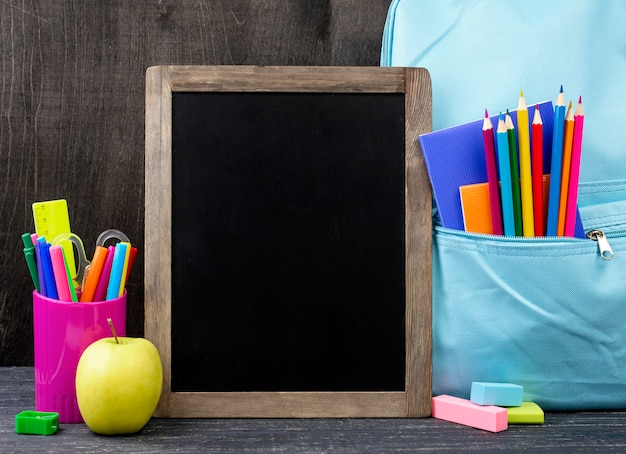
{"points": [[463, 411]]}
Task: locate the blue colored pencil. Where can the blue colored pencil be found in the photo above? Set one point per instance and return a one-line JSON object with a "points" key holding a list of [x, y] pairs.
{"points": [[506, 187], [556, 165]]}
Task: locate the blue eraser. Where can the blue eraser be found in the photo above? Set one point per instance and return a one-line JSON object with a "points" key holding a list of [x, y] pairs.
{"points": [[500, 394]]}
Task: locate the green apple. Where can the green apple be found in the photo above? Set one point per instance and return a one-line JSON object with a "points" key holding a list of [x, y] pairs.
{"points": [[118, 384]]}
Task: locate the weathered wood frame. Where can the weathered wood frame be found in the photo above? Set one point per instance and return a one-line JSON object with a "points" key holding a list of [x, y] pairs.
{"points": [[161, 81]]}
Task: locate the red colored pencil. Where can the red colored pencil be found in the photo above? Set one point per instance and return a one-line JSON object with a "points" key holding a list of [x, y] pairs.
{"points": [[492, 175], [537, 171]]}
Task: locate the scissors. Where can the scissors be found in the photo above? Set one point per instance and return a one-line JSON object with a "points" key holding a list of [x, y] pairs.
{"points": [[82, 267]]}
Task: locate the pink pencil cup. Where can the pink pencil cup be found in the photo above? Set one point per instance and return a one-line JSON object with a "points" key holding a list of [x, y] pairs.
{"points": [[62, 331]]}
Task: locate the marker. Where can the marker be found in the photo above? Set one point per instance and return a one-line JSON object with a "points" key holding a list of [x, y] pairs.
{"points": [[48, 272], [42, 278], [116, 271], [131, 261], [60, 276], [124, 270], [95, 270], [31, 259], [103, 281]]}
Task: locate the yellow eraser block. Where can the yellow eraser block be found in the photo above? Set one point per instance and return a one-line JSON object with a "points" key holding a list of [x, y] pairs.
{"points": [[528, 413]]}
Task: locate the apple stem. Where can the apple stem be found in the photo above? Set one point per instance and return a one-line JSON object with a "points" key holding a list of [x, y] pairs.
{"points": [[113, 330]]}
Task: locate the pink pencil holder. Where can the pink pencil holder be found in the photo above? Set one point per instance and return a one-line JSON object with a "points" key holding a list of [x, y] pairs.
{"points": [[62, 331]]}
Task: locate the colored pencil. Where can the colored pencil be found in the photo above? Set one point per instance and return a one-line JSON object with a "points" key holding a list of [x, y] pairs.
{"points": [[555, 166], [515, 186], [537, 172], [523, 135], [492, 175], [574, 174], [504, 164], [568, 138]]}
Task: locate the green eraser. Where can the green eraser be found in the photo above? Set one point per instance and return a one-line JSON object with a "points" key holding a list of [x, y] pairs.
{"points": [[527, 413], [37, 422]]}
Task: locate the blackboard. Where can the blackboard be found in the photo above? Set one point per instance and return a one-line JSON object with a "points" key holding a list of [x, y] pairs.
{"points": [[288, 279]]}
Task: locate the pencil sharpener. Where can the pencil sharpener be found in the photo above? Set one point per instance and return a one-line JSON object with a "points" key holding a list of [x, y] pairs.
{"points": [[37, 422]]}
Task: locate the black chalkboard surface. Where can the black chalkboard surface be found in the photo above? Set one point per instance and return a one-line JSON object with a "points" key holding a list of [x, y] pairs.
{"points": [[288, 236], [286, 279]]}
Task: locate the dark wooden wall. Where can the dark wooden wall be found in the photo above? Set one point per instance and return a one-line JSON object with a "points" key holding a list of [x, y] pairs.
{"points": [[72, 107]]}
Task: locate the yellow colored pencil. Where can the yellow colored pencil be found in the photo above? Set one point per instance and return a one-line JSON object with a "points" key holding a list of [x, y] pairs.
{"points": [[523, 137]]}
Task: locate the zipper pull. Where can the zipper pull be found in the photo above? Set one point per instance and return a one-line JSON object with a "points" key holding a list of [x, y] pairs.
{"points": [[603, 244]]}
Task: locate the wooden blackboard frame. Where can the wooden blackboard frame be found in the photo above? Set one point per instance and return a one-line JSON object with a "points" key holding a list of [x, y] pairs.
{"points": [[414, 83]]}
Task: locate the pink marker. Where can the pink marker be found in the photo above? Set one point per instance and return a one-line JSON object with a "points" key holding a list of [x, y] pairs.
{"points": [[463, 411], [103, 282], [60, 276]]}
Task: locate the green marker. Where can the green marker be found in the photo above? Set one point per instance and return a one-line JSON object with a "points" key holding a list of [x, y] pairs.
{"points": [[31, 260]]}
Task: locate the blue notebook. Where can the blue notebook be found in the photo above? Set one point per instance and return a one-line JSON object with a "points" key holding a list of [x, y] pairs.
{"points": [[455, 157]]}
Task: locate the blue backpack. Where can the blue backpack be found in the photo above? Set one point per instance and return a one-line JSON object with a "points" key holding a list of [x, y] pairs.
{"points": [[547, 313]]}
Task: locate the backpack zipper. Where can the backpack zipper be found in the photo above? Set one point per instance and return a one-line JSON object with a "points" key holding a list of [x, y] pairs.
{"points": [[603, 243]]}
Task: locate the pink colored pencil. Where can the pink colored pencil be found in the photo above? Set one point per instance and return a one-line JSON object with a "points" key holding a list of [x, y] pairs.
{"points": [[574, 175], [537, 171], [492, 175]]}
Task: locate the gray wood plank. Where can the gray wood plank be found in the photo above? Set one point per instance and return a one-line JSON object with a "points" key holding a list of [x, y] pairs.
{"points": [[562, 432]]}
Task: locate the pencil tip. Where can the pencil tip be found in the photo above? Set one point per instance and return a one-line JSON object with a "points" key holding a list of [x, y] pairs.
{"points": [[521, 93], [486, 114], [580, 99], [561, 91]]}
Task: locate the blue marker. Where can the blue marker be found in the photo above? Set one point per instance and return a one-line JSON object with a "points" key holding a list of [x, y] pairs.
{"points": [[117, 269], [48, 272]]}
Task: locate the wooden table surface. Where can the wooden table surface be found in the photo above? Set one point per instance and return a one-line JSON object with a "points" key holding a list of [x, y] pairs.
{"points": [[561, 432]]}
